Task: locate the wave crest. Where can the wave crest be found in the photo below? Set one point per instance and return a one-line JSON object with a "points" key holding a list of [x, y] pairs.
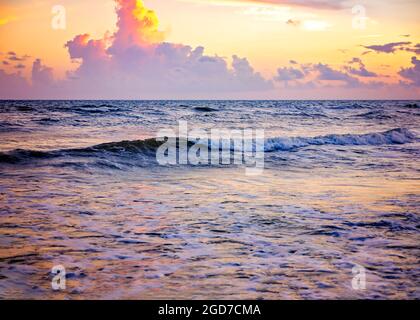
{"points": [[394, 136], [148, 147]]}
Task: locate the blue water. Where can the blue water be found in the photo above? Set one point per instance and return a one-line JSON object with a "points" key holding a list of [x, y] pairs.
{"points": [[81, 187]]}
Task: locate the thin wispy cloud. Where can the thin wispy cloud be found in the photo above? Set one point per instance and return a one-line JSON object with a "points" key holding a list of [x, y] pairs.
{"points": [[312, 4], [388, 47]]}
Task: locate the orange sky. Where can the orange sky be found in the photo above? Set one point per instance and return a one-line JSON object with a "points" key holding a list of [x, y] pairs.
{"points": [[268, 34]]}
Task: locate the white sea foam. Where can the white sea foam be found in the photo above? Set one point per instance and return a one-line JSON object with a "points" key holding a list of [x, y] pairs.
{"points": [[395, 136]]}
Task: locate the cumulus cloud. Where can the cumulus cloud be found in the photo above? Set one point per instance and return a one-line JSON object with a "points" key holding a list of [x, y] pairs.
{"points": [[322, 75], [137, 25], [12, 85], [289, 74], [136, 62], [413, 73], [327, 73], [357, 67], [41, 75], [351, 75]]}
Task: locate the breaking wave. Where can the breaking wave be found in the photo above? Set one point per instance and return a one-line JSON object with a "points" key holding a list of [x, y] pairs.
{"points": [[148, 147], [394, 136]]}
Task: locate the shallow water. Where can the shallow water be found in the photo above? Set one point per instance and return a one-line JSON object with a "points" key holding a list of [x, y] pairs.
{"points": [[339, 188]]}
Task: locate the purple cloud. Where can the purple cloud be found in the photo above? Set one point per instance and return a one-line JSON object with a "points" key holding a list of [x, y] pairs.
{"points": [[318, 75], [41, 74], [415, 49], [325, 72], [389, 47], [13, 85], [360, 69], [289, 74], [413, 73]]}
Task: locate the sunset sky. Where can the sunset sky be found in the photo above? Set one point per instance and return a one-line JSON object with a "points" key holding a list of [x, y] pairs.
{"points": [[267, 49]]}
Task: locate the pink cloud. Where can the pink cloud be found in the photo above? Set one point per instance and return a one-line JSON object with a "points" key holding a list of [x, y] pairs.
{"points": [[289, 74], [41, 75], [13, 85], [413, 73], [135, 62], [137, 26], [321, 75], [357, 67]]}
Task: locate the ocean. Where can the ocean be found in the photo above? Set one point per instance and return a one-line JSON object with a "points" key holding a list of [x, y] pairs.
{"points": [[338, 200]]}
